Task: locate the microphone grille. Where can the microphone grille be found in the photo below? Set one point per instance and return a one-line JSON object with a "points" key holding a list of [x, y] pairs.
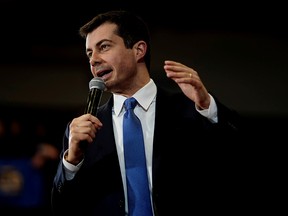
{"points": [[98, 83]]}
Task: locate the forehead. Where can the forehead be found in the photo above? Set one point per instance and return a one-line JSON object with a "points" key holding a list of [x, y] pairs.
{"points": [[104, 31]]}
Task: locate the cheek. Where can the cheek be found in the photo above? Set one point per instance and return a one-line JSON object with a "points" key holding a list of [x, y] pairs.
{"points": [[127, 68], [124, 63]]}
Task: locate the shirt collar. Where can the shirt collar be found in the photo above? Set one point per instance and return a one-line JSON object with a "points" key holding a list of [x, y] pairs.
{"points": [[144, 96]]}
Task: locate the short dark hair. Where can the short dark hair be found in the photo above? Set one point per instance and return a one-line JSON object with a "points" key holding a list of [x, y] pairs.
{"points": [[130, 27]]}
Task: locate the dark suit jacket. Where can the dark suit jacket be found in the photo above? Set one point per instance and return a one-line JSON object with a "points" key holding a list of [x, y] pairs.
{"points": [[196, 165]]}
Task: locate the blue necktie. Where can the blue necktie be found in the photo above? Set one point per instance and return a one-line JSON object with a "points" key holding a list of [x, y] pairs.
{"points": [[139, 203]]}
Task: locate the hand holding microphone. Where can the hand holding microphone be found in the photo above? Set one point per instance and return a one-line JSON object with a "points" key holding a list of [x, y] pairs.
{"points": [[97, 86], [79, 126]]}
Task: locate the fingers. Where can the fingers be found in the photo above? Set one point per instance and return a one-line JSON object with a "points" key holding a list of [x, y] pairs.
{"points": [[82, 132], [84, 128], [174, 66], [189, 82], [177, 70], [181, 73]]}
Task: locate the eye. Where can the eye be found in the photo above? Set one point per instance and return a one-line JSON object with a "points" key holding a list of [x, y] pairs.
{"points": [[89, 54], [104, 47]]}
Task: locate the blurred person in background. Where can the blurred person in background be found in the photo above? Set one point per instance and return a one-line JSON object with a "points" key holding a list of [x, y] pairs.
{"points": [[25, 182]]}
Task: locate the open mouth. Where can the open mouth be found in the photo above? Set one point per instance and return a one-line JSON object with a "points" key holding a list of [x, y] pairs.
{"points": [[101, 74]]}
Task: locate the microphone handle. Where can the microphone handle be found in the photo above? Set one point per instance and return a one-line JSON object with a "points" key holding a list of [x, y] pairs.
{"points": [[93, 101]]}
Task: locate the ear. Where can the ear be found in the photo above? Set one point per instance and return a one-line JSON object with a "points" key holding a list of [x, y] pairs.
{"points": [[140, 49]]}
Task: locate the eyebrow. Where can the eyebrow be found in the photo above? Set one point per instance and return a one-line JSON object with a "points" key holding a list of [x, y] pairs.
{"points": [[100, 42]]}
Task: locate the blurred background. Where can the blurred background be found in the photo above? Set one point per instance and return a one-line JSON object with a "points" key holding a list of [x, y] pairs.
{"points": [[239, 49]]}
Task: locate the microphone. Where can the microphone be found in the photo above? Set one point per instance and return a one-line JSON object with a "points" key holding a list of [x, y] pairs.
{"points": [[96, 86]]}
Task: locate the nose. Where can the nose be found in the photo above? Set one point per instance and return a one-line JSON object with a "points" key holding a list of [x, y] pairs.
{"points": [[95, 59]]}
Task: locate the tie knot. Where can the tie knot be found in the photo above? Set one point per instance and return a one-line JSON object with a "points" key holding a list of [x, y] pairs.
{"points": [[130, 103]]}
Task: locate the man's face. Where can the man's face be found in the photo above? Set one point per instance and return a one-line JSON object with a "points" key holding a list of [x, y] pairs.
{"points": [[110, 59]]}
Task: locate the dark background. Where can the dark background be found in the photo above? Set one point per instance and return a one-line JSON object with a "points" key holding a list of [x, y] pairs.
{"points": [[239, 50]]}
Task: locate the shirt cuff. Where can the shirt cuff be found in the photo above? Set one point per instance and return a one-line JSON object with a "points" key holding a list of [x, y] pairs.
{"points": [[211, 112], [70, 169]]}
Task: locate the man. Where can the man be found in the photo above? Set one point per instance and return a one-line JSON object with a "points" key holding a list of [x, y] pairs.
{"points": [[190, 142]]}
